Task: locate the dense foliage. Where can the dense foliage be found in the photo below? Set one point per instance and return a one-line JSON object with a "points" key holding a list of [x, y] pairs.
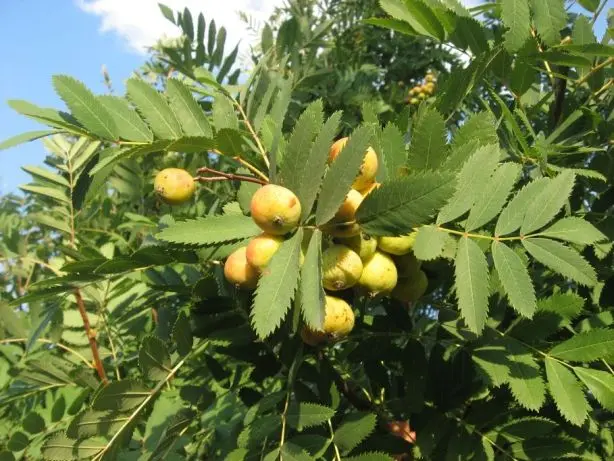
{"points": [[121, 337]]}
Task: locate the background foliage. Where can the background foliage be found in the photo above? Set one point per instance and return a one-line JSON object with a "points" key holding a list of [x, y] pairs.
{"points": [[121, 339]]}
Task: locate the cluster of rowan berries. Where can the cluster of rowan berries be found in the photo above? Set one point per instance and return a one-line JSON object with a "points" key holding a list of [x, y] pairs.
{"points": [[350, 258], [422, 90]]}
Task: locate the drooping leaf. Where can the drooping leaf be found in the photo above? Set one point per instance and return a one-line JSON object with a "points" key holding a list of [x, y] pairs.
{"points": [[393, 154], [471, 179], [566, 392], [417, 14], [341, 175], [90, 423], [545, 205], [515, 279], [85, 107], [301, 415], [129, 124], [517, 18], [512, 216], [276, 287], [574, 230], [120, 396], [188, 112], [154, 358], [428, 149], [600, 383], [293, 452], [182, 334], [494, 194], [154, 108], [472, 280], [399, 205], [25, 137], [354, 428], [210, 230], [525, 379], [429, 243], [550, 18], [561, 259], [586, 347], [312, 292]]}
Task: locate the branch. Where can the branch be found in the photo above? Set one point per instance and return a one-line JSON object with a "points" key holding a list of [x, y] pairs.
{"points": [[221, 176], [253, 133], [47, 341], [91, 336]]}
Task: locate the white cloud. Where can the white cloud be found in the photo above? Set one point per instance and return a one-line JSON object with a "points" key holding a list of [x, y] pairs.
{"points": [[140, 23]]}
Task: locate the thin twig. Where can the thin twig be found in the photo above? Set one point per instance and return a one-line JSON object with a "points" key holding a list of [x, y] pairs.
{"points": [[221, 176], [541, 50], [91, 336], [332, 440], [282, 437], [253, 133], [605, 63], [251, 168], [47, 341]]}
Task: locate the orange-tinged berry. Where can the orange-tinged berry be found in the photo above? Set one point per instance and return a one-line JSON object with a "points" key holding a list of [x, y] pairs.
{"points": [[368, 169], [261, 249], [239, 272], [275, 209], [174, 186]]}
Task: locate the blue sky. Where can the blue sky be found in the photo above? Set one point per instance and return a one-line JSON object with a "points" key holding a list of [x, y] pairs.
{"points": [[76, 37]]}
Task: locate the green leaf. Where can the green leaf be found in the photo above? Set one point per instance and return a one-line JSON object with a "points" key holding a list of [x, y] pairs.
{"points": [[549, 17], [154, 109], [428, 149], [513, 214], [25, 137], [526, 428], [120, 396], [186, 109], [429, 243], [292, 452], [210, 230], [43, 173], [176, 426], [574, 230], [494, 195], [224, 115], [316, 164], [480, 127], [543, 448], [167, 12], [493, 362], [515, 279], [472, 281], [46, 192], [18, 442], [49, 117], [298, 151], [417, 14], [600, 383], [370, 456], [341, 175], [401, 204], [475, 173], [561, 259], [58, 447], [522, 77], [525, 379], [154, 358], [517, 18], [392, 24], [566, 392], [85, 107], [545, 205], [276, 287], [312, 292], [90, 423], [586, 347], [33, 423], [129, 125], [182, 334], [258, 430], [354, 429], [393, 154], [590, 5], [301, 415]]}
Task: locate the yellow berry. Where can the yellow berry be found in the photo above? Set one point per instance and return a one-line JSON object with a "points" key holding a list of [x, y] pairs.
{"points": [[275, 209], [341, 268], [397, 245], [239, 272], [338, 322], [412, 288], [261, 249], [174, 186], [379, 274]]}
